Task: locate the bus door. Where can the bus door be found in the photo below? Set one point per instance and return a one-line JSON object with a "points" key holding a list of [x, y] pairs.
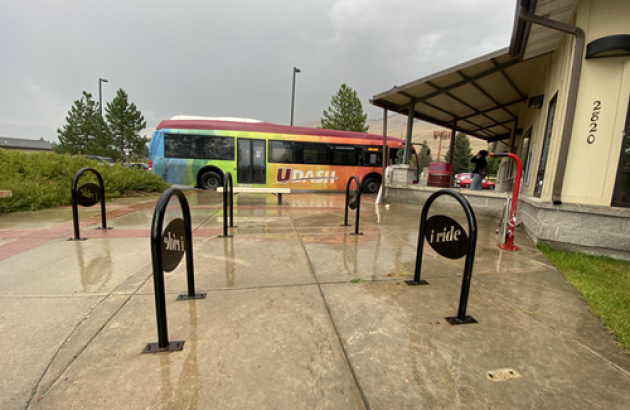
{"points": [[252, 162]]}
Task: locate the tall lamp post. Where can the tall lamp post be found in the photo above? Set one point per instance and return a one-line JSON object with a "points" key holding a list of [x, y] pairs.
{"points": [[100, 95], [295, 70]]}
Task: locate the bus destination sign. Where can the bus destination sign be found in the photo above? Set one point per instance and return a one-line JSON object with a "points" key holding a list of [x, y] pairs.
{"points": [[446, 237]]}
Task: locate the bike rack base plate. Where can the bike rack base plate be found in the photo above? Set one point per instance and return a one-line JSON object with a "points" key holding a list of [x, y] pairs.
{"points": [[414, 283], [195, 296], [455, 321], [176, 346]]}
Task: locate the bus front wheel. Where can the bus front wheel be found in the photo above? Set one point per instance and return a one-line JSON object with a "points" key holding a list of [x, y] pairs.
{"points": [[210, 180], [371, 185]]}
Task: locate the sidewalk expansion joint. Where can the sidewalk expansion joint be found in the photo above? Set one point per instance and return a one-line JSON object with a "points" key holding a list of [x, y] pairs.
{"points": [[364, 399]]}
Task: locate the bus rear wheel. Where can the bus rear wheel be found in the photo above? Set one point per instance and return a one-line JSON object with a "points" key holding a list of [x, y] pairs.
{"points": [[371, 185], [210, 180]]}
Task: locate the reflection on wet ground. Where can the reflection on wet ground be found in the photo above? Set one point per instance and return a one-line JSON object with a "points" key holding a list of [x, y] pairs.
{"points": [[300, 313]]}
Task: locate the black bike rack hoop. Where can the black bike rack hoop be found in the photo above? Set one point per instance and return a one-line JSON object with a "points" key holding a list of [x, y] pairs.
{"points": [[75, 208], [227, 178], [157, 240], [461, 317], [358, 202]]}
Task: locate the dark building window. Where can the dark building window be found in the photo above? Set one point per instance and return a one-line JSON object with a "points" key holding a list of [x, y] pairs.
{"points": [[621, 197], [542, 165]]}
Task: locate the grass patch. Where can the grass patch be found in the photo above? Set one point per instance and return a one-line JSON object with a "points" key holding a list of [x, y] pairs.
{"points": [[43, 180], [603, 282], [357, 281]]}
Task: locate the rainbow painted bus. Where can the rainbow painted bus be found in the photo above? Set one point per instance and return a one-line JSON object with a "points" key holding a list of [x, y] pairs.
{"points": [[199, 150]]}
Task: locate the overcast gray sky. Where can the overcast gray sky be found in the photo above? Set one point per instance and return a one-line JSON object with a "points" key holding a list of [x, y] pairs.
{"points": [[222, 58]]}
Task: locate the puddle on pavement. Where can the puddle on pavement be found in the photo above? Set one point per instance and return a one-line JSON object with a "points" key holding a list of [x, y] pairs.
{"points": [[95, 271]]}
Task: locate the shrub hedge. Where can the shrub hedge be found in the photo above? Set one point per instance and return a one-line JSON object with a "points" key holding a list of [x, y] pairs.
{"points": [[43, 180]]}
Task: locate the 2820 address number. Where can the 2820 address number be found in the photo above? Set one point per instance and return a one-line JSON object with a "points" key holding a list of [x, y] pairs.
{"points": [[597, 107]]}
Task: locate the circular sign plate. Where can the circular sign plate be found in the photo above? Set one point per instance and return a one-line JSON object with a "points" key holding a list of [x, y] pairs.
{"points": [[88, 194], [446, 236], [173, 244]]}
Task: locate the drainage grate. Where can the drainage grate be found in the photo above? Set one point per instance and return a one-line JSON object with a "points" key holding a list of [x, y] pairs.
{"points": [[502, 375]]}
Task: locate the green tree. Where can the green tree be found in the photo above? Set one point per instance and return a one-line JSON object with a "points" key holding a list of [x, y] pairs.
{"points": [[493, 165], [424, 158], [85, 131], [345, 112], [125, 122], [462, 154]]}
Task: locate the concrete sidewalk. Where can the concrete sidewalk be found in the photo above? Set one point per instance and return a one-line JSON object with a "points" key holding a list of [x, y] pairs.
{"points": [[286, 324]]}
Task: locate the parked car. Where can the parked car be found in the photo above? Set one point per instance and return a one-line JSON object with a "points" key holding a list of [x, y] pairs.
{"points": [[101, 159], [465, 182], [458, 177], [141, 166]]}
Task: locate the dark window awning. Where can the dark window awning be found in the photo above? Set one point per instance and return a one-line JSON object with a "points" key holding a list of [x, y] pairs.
{"points": [[482, 97]]}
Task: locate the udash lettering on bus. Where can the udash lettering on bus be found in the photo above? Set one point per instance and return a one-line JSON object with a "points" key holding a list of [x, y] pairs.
{"points": [[296, 175]]}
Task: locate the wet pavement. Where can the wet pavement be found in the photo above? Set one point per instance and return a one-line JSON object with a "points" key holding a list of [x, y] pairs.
{"points": [[299, 314]]}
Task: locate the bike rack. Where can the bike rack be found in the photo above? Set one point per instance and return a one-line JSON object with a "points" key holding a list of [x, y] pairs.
{"points": [[173, 258], [461, 245], [511, 220], [226, 178], [357, 204], [86, 198]]}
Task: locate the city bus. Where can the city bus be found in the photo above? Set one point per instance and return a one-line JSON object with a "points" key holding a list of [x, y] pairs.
{"points": [[199, 151]]}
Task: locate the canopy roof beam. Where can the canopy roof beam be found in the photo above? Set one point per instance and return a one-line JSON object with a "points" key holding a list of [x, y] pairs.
{"points": [[469, 80], [508, 79]]}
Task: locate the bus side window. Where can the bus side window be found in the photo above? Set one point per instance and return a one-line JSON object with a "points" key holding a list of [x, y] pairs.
{"points": [[395, 156], [284, 152], [372, 156], [191, 146], [315, 154], [344, 155]]}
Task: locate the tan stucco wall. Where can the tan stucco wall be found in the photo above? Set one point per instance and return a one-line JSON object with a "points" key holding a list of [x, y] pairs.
{"points": [[552, 79], [591, 168]]}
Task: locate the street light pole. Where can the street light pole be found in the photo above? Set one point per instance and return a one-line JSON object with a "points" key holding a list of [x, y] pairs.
{"points": [[295, 70], [100, 95]]}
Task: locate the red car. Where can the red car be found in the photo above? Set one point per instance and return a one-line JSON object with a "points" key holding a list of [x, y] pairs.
{"points": [[464, 181]]}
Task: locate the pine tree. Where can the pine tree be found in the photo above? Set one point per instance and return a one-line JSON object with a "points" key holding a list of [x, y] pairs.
{"points": [[125, 122], [493, 165], [463, 154], [345, 112], [424, 158], [85, 131]]}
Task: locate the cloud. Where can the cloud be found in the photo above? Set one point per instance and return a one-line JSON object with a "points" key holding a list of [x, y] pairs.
{"points": [[230, 58]]}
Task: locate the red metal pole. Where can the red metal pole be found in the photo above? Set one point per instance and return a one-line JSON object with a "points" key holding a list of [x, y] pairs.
{"points": [[509, 241]]}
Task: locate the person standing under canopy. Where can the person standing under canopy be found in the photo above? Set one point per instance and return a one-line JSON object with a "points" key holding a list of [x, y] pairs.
{"points": [[480, 170]]}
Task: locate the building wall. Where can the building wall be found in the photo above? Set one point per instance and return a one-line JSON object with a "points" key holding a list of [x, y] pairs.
{"points": [[27, 151], [606, 80], [553, 79], [591, 168]]}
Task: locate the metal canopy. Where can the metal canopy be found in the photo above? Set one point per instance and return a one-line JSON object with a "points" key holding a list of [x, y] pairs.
{"points": [[531, 40], [482, 97]]}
